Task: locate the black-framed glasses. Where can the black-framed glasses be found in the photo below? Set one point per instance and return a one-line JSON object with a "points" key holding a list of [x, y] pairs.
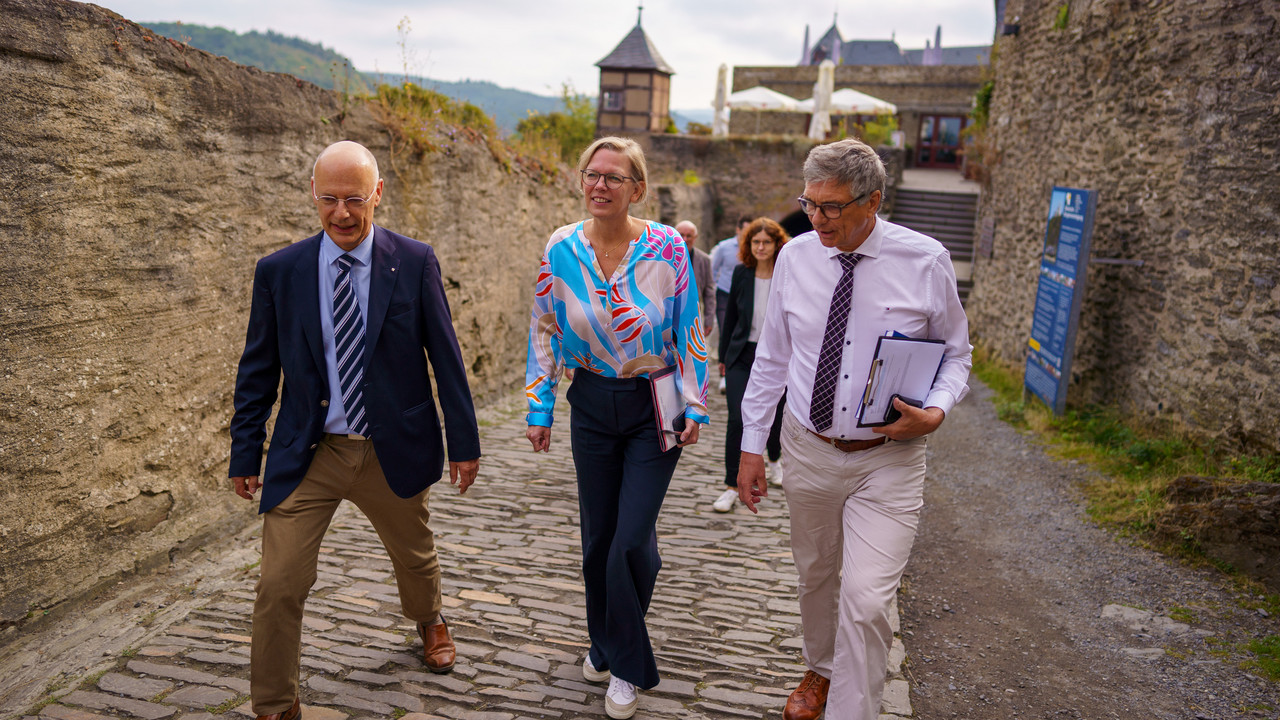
{"points": [[830, 210], [329, 202], [611, 180]]}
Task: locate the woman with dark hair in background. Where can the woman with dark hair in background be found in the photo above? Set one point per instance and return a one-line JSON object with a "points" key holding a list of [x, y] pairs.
{"points": [[743, 320], [614, 302]]}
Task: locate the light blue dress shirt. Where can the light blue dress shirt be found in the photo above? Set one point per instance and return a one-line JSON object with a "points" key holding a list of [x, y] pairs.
{"points": [[724, 258], [336, 420]]}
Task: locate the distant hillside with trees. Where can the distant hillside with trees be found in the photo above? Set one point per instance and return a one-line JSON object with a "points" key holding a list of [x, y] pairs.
{"points": [[327, 68]]}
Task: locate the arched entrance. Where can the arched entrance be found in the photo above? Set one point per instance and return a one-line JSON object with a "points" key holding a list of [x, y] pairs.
{"points": [[796, 223]]}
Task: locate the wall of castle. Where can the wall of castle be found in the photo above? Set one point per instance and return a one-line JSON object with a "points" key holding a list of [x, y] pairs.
{"points": [[1169, 111], [142, 181], [915, 89]]}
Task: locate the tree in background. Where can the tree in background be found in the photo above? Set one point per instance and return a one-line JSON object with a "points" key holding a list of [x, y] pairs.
{"points": [[564, 134]]}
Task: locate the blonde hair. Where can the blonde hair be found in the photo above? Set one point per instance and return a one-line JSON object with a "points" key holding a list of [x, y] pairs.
{"points": [[631, 150]]}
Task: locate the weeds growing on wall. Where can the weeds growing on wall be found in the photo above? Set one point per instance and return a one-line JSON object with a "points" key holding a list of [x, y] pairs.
{"points": [[980, 153], [559, 136], [1136, 458]]}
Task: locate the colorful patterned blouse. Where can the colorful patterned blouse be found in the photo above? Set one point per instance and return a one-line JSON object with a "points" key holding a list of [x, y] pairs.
{"points": [[642, 319]]}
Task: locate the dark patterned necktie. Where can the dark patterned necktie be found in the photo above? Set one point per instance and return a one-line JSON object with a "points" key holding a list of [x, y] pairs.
{"points": [[348, 337], [824, 380]]}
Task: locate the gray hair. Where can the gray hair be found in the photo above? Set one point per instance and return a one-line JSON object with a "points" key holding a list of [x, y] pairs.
{"points": [[847, 162]]}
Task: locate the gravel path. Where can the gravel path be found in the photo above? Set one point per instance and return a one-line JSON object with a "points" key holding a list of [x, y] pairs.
{"points": [[1016, 605]]}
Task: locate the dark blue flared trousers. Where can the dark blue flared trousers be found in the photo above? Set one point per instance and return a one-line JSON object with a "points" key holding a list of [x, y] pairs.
{"points": [[622, 480]]}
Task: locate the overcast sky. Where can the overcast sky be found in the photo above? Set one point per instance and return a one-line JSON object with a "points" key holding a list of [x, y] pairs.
{"points": [[536, 45]]}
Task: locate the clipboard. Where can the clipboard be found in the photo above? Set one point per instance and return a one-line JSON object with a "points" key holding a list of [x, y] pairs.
{"points": [[668, 406], [903, 366]]}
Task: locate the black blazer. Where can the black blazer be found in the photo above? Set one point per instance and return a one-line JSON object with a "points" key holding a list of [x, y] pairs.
{"points": [[407, 313], [737, 317]]}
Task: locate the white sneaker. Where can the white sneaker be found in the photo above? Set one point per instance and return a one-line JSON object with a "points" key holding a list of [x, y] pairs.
{"points": [[722, 386], [590, 672], [775, 472], [725, 502], [621, 700]]}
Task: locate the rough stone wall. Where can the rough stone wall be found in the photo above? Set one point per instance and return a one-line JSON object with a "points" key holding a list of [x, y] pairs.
{"points": [[754, 176], [915, 89], [142, 181], [719, 179], [1170, 111]]}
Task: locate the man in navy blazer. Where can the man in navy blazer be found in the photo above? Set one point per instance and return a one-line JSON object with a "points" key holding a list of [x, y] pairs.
{"points": [[345, 316]]}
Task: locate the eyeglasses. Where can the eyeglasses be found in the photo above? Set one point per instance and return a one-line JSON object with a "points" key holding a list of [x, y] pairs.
{"points": [[329, 202], [611, 181], [831, 210]]}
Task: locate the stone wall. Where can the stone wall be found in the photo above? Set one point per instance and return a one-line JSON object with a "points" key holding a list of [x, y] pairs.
{"points": [[719, 179], [1169, 111], [915, 89], [142, 180]]}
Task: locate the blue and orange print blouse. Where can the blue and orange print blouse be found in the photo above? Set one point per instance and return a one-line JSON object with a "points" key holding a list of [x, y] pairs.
{"points": [[643, 319]]}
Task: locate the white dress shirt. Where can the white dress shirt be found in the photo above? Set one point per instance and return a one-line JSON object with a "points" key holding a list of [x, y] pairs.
{"points": [[904, 283]]}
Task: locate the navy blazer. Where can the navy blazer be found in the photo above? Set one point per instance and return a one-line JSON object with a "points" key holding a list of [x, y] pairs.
{"points": [[737, 317], [407, 313]]}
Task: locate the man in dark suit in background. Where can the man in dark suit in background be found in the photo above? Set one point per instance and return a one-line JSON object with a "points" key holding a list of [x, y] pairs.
{"points": [[345, 315]]}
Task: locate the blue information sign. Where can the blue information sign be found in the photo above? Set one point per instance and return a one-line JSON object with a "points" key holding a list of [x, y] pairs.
{"points": [[1059, 294]]}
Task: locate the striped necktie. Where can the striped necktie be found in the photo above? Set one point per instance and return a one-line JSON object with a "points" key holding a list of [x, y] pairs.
{"points": [[348, 338], [822, 408]]}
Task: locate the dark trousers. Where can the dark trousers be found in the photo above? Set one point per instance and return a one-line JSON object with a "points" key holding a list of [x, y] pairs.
{"points": [[622, 480], [722, 306], [736, 377]]}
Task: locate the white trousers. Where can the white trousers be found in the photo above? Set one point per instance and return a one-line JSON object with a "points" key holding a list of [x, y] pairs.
{"points": [[853, 520]]}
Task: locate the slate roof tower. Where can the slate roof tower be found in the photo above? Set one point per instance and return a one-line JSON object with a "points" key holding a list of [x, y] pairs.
{"points": [[635, 87]]}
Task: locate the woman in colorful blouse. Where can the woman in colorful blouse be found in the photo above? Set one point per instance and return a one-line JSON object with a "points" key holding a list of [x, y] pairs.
{"points": [[615, 301]]}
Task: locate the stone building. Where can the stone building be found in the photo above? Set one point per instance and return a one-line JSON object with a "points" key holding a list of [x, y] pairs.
{"points": [[635, 88], [1168, 110], [932, 87]]}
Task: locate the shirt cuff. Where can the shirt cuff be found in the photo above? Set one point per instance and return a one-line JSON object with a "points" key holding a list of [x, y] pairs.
{"points": [[941, 399], [700, 418], [754, 440], [539, 419]]}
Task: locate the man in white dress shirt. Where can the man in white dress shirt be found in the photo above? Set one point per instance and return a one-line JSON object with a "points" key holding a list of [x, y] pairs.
{"points": [[854, 494]]}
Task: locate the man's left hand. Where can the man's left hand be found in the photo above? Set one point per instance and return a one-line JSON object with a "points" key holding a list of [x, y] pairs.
{"points": [[463, 474], [690, 434], [915, 422]]}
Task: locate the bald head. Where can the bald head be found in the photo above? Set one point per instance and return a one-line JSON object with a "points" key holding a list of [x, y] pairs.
{"points": [[347, 189], [347, 153], [689, 232]]}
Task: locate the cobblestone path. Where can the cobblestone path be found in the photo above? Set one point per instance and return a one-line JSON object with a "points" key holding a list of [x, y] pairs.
{"points": [[724, 619]]}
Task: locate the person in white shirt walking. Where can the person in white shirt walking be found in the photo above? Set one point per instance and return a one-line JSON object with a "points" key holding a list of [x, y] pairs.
{"points": [[854, 494]]}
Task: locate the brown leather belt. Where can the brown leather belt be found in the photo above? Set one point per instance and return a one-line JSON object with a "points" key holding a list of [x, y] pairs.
{"points": [[850, 445]]}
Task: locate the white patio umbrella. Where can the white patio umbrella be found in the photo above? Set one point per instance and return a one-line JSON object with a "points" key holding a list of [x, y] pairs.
{"points": [[720, 123], [820, 124], [847, 101], [761, 99]]}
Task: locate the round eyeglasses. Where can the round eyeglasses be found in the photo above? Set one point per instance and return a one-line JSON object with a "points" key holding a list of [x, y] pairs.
{"points": [[611, 181]]}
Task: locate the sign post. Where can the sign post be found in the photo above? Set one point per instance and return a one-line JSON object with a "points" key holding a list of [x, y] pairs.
{"points": [[1059, 294]]}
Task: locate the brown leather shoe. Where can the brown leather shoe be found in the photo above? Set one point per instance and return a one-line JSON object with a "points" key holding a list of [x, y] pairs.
{"points": [[809, 700], [438, 650], [293, 713]]}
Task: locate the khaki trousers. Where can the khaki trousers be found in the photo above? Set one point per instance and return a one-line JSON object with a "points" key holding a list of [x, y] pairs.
{"points": [[853, 521], [342, 469]]}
